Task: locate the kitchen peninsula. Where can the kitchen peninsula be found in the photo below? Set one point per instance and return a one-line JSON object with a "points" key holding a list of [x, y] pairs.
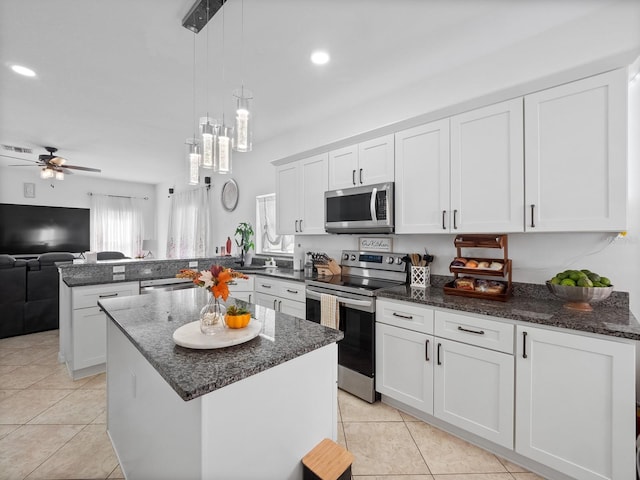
{"points": [[248, 411]]}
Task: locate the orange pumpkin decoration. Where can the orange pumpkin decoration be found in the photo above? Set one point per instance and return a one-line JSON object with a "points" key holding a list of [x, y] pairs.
{"points": [[237, 321]]}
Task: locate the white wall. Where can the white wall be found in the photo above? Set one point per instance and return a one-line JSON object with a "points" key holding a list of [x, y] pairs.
{"points": [[73, 191]]}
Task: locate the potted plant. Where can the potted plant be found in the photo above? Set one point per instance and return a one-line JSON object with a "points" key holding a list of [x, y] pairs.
{"points": [[245, 231], [237, 317]]}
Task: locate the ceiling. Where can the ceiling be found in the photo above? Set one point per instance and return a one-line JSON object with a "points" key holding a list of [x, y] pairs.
{"points": [[114, 85]]}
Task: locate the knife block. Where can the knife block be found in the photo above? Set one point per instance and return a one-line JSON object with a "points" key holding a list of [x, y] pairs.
{"points": [[328, 269]]}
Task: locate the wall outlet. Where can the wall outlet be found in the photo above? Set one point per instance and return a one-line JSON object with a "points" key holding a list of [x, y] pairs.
{"points": [[193, 264], [118, 269]]}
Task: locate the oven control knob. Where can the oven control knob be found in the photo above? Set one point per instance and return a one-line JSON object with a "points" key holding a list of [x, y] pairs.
{"points": [[398, 260], [345, 256], [353, 257], [390, 260]]}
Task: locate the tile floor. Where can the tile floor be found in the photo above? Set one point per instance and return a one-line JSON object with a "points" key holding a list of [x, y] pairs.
{"points": [[54, 428]]}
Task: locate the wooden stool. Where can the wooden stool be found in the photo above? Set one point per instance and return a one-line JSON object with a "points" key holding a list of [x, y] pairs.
{"points": [[327, 461]]}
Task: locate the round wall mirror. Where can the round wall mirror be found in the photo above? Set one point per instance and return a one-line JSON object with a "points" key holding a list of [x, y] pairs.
{"points": [[229, 195]]}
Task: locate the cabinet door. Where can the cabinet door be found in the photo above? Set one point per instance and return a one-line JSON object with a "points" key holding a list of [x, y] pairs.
{"points": [[89, 337], [375, 161], [576, 155], [287, 207], [404, 366], [290, 307], [422, 178], [473, 389], [343, 167], [314, 181], [265, 300], [487, 169], [575, 399]]}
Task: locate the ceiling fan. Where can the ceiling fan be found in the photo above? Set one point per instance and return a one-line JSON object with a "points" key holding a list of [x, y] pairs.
{"points": [[52, 166]]}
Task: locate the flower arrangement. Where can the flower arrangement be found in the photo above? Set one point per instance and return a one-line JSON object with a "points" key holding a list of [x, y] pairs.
{"points": [[215, 279]]}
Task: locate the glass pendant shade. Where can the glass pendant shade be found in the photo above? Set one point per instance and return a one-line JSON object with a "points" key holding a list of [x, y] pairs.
{"points": [[193, 158], [59, 175], [222, 156], [207, 129], [243, 131]]}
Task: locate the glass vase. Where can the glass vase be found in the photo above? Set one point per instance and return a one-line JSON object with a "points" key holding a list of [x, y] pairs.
{"points": [[212, 315]]}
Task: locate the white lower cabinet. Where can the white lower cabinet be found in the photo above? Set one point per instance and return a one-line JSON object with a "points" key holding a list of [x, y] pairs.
{"points": [[242, 288], [404, 366], [473, 389], [575, 399], [281, 295]]}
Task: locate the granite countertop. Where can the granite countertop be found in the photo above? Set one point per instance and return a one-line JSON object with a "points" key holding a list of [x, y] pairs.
{"points": [[150, 320], [611, 317], [83, 274]]}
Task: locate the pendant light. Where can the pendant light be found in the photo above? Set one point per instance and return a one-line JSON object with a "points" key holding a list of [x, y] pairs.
{"points": [[222, 159], [207, 124], [193, 153], [242, 141]]}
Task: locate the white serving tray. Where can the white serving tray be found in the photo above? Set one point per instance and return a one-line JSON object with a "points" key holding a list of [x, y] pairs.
{"points": [[190, 336]]}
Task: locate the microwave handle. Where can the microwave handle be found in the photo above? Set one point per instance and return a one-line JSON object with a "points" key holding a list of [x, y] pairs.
{"points": [[372, 204]]}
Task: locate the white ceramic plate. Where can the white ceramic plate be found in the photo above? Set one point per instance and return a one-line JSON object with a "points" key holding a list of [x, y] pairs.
{"points": [[190, 336]]}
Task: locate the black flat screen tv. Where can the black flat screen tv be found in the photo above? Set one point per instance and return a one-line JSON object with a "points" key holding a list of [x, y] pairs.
{"points": [[35, 229]]}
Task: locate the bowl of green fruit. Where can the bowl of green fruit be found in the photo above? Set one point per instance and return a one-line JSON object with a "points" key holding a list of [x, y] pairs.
{"points": [[580, 288]]}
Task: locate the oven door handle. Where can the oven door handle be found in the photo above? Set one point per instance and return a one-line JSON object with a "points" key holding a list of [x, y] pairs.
{"points": [[347, 301], [372, 205]]}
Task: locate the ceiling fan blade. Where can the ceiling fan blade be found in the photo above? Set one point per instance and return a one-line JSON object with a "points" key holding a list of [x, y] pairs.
{"points": [[22, 165], [64, 170], [18, 158], [86, 169]]}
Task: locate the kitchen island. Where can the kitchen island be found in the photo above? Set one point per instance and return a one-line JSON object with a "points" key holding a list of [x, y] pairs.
{"points": [[248, 411]]}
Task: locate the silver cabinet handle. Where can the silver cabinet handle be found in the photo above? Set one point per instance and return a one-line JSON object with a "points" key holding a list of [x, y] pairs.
{"points": [[438, 361], [274, 304], [443, 214], [300, 225], [108, 296], [408, 317], [524, 344], [292, 291], [455, 214], [249, 298], [361, 176], [426, 351], [296, 227], [265, 286], [279, 305], [353, 177]]}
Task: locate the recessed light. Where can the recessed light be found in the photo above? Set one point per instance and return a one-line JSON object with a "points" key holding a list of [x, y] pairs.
{"points": [[19, 69], [320, 57]]}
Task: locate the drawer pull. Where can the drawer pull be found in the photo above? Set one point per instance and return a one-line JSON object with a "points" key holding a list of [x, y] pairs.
{"points": [[292, 291], [533, 224], [426, 350], [408, 317], [109, 295], [524, 344], [265, 286], [438, 354], [275, 301], [477, 332], [443, 214]]}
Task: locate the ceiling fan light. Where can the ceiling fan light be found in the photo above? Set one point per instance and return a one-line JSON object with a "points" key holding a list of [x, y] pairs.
{"points": [[59, 175], [46, 173]]}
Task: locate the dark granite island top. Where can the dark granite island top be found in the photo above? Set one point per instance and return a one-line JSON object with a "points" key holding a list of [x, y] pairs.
{"points": [[535, 305], [149, 321]]}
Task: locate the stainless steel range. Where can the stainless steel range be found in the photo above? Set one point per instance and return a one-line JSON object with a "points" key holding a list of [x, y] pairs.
{"points": [[363, 274]]}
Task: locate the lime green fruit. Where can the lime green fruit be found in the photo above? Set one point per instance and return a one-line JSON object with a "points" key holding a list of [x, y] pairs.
{"points": [[576, 275], [562, 275], [556, 281], [597, 284], [568, 282], [594, 277], [605, 281], [584, 270], [585, 282]]}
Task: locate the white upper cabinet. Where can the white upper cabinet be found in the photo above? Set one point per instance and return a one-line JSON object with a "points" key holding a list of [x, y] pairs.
{"points": [[576, 156], [300, 188], [366, 163], [463, 174], [422, 178], [487, 186]]}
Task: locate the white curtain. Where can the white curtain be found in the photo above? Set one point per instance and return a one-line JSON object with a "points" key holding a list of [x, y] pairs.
{"points": [[189, 232], [268, 240], [117, 224]]}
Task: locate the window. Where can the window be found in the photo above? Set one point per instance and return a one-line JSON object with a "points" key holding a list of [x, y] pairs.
{"points": [[117, 224], [267, 241]]}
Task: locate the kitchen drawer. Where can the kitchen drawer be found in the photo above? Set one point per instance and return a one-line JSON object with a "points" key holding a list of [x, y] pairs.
{"points": [[475, 331], [292, 291], [266, 285], [88, 296], [242, 284], [405, 315]]}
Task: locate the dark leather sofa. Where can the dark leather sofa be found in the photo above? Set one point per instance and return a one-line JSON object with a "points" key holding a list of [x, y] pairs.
{"points": [[13, 295], [29, 292]]}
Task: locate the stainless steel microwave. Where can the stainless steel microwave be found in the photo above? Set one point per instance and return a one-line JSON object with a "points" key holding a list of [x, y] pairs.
{"points": [[367, 209]]}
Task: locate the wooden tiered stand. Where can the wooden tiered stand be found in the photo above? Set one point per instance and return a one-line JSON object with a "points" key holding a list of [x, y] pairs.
{"points": [[482, 241]]}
